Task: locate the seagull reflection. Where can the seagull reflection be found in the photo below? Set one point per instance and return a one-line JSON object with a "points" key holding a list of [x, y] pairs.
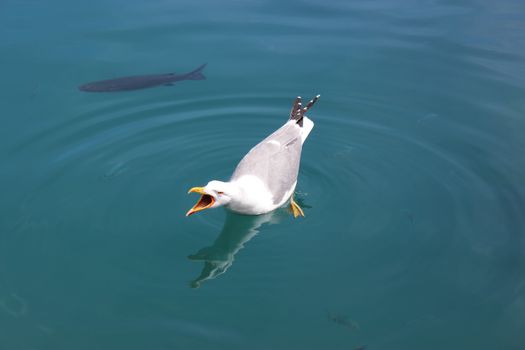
{"points": [[237, 230]]}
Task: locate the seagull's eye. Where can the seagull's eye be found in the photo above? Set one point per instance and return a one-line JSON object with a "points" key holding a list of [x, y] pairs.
{"points": [[220, 192]]}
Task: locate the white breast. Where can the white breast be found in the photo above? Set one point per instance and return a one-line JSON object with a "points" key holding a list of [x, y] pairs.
{"points": [[252, 198]]}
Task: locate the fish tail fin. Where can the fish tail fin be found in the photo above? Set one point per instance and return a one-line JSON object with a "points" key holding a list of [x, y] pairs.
{"points": [[197, 73], [297, 112]]}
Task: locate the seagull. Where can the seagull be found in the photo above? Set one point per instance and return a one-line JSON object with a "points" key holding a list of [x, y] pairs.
{"points": [[265, 178]]}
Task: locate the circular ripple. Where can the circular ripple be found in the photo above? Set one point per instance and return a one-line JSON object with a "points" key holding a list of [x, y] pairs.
{"points": [[423, 181]]}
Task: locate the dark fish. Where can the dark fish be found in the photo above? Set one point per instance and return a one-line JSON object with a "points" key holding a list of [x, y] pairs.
{"points": [[344, 321], [141, 81]]}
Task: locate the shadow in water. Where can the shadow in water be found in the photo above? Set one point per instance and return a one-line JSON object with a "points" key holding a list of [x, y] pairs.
{"points": [[237, 231]]}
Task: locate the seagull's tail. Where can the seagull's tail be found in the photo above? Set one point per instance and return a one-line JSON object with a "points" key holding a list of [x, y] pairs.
{"points": [[308, 125], [298, 111]]}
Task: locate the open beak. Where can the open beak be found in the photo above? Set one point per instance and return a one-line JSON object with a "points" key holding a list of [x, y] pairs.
{"points": [[204, 202]]}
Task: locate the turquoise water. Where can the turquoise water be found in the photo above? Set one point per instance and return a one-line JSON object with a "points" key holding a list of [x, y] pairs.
{"points": [[411, 181]]}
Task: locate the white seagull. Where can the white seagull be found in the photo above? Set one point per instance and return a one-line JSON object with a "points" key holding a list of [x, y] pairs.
{"points": [[266, 177]]}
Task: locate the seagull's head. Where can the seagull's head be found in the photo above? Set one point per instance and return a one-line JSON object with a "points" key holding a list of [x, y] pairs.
{"points": [[214, 194]]}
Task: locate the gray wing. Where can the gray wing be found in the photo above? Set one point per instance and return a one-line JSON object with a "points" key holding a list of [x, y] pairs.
{"points": [[275, 160]]}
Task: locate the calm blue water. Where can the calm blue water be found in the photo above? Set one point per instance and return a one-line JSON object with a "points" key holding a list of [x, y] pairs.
{"points": [[412, 181]]}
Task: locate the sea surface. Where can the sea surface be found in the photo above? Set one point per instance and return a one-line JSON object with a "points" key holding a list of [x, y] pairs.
{"points": [[412, 181]]}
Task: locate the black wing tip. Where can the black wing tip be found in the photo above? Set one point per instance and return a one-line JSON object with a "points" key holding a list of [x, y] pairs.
{"points": [[298, 111]]}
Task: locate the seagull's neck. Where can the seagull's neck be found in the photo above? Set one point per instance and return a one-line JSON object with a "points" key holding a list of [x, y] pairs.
{"points": [[232, 189], [249, 195]]}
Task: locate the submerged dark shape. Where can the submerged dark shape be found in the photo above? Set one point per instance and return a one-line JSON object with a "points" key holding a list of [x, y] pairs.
{"points": [[136, 82], [344, 321]]}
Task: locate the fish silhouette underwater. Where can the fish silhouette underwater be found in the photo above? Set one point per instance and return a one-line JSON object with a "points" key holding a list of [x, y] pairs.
{"points": [[136, 82]]}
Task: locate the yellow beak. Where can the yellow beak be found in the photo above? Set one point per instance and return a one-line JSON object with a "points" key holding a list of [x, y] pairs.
{"points": [[204, 202], [197, 190]]}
